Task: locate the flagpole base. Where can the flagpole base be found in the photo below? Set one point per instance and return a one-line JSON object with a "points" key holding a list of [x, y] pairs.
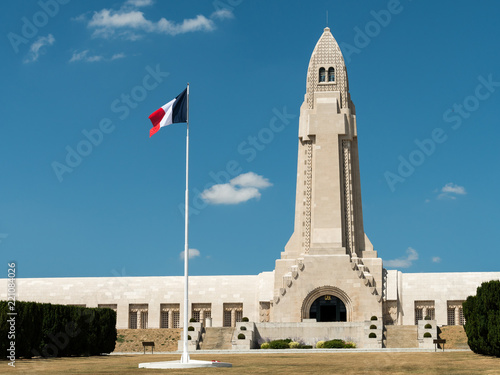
{"points": [[192, 363]]}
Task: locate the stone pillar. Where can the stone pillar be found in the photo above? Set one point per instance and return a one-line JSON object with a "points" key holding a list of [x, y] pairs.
{"points": [[457, 316], [170, 318], [233, 317]]}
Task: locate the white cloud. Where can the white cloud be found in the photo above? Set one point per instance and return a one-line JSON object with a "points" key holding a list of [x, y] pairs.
{"points": [[117, 56], [240, 189], [139, 3], [192, 253], [250, 179], [451, 190], [36, 48], [436, 259], [84, 56], [222, 14], [405, 262], [130, 23]]}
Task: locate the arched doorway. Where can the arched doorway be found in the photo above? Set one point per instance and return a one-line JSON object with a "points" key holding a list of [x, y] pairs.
{"points": [[328, 308], [327, 304]]}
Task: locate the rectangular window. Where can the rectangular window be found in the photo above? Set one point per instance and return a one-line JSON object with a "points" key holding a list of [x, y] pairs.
{"points": [[431, 313], [451, 316], [132, 320], [175, 319], [239, 316], [164, 319], [461, 319], [144, 319], [196, 315], [418, 315], [227, 318]]}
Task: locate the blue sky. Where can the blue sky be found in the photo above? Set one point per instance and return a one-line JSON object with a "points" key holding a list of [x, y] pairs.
{"points": [[424, 76]]}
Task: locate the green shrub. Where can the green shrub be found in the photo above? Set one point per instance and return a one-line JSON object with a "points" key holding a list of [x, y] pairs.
{"points": [[294, 345], [349, 345], [243, 328], [192, 320], [373, 318], [427, 317], [306, 347], [241, 336], [120, 338], [482, 319], [428, 326], [189, 337], [265, 345], [84, 331], [244, 319], [373, 326], [427, 334], [320, 344], [334, 344], [280, 344], [190, 328], [372, 335]]}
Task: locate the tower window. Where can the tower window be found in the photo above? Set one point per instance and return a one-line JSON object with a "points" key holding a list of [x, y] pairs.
{"points": [[322, 75], [331, 75]]}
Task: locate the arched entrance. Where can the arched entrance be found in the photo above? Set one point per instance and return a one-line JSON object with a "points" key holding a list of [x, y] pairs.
{"points": [[328, 308], [327, 304]]}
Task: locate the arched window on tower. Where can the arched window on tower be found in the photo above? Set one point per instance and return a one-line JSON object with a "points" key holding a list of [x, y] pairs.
{"points": [[322, 75], [331, 75]]}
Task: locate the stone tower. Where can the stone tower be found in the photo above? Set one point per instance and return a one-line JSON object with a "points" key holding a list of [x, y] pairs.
{"points": [[328, 257]]}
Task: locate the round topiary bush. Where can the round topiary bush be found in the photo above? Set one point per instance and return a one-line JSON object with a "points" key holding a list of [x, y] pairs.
{"points": [[427, 317], [241, 336], [320, 344], [244, 319], [372, 335], [428, 326], [190, 328], [189, 337], [243, 328], [427, 334], [280, 344], [334, 344], [373, 326], [294, 345], [192, 320], [265, 345], [373, 318]]}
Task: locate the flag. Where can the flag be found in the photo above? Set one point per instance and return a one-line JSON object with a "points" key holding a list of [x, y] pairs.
{"points": [[173, 112]]}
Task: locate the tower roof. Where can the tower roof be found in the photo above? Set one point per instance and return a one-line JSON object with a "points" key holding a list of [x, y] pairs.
{"points": [[326, 55]]}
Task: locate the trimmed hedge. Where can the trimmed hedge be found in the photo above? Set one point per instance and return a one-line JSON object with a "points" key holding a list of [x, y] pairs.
{"points": [[428, 326], [244, 319], [482, 319], [43, 329], [265, 345], [334, 344], [427, 334], [373, 326], [190, 328], [243, 328], [280, 344], [241, 336], [372, 335]]}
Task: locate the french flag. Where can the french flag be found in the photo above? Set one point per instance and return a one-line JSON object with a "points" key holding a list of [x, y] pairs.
{"points": [[173, 112]]}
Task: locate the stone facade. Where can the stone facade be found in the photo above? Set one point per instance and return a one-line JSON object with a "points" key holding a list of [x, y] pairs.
{"points": [[328, 283]]}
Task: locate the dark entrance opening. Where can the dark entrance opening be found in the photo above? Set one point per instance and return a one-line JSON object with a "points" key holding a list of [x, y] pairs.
{"points": [[328, 309]]}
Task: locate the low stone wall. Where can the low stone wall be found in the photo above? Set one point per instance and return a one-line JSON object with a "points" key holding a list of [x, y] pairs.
{"points": [[311, 332]]}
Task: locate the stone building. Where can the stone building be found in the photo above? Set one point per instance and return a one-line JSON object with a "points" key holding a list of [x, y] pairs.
{"points": [[329, 280]]}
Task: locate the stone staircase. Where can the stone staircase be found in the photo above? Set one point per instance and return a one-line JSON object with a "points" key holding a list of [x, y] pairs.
{"points": [[401, 336], [217, 338]]}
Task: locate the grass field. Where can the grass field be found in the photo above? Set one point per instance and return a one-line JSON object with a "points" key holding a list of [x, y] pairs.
{"points": [[466, 363]]}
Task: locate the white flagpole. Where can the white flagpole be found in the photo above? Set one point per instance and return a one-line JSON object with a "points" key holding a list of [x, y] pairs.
{"points": [[185, 354]]}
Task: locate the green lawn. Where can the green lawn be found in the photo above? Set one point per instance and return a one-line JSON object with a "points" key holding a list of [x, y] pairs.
{"points": [[466, 363]]}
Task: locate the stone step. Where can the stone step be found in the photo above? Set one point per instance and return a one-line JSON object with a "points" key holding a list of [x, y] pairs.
{"points": [[217, 338]]}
